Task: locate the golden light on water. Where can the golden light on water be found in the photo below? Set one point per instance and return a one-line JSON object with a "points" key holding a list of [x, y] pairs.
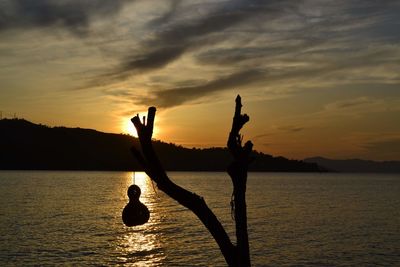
{"points": [[140, 245], [143, 181]]}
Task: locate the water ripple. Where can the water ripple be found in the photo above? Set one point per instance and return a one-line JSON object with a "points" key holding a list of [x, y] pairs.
{"points": [[74, 218]]}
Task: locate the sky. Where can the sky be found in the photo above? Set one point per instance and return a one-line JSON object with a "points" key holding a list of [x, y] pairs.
{"points": [[317, 78]]}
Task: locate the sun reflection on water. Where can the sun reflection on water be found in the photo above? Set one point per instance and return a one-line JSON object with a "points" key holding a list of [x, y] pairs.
{"points": [[143, 181], [140, 245]]}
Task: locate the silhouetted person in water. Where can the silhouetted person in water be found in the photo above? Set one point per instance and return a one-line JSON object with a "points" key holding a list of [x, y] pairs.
{"points": [[135, 212]]}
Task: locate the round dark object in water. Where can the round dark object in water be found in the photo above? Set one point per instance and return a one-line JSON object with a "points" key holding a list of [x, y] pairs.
{"points": [[135, 212]]}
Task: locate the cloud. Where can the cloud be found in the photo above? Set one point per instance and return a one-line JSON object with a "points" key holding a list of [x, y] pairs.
{"points": [[353, 103], [73, 15], [361, 106], [292, 45], [152, 60], [173, 38], [168, 16], [279, 130], [290, 129], [296, 44], [180, 95]]}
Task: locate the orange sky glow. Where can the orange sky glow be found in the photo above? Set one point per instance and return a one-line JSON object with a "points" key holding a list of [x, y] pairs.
{"points": [[316, 79]]}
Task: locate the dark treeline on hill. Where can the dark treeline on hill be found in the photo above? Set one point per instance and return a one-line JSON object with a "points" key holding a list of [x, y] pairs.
{"points": [[28, 146]]}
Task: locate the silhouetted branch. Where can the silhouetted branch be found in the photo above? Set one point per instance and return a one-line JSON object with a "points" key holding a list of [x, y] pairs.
{"points": [[238, 173], [234, 255], [195, 203]]}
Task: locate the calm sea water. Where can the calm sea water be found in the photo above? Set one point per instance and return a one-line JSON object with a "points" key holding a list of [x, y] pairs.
{"points": [[74, 218]]}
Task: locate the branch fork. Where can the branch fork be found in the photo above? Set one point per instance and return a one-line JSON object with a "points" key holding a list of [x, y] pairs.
{"points": [[235, 255]]}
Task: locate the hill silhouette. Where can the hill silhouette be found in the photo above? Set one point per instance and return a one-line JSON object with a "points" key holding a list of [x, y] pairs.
{"points": [[356, 165], [28, 146]]}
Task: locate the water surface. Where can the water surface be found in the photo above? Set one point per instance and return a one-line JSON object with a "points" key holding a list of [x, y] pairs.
{"points": [[74, 218]]}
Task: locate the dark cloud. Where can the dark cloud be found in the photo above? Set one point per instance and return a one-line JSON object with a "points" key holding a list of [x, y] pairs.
{"points": [[288, 42], [74, 15], [321, 48], [179, 95], [154, 59], [228, 56], [336, 30], [362, 21], [167, 16], [172, 41], [301, 64]]}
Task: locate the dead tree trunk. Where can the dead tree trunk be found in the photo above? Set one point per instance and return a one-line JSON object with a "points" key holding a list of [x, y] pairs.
{"points": [[235, 255], [237, 170]]}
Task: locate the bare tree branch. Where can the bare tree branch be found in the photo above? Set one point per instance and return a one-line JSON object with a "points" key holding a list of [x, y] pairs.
{"points": [[234, 255], [238, 173], [195, 203]]}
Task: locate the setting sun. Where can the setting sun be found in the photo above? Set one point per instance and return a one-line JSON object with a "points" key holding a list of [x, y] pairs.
{"points": [[128, 128]]}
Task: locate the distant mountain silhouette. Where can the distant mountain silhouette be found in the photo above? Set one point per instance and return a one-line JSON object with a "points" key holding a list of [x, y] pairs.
{"points": [[356, 165], [28, 146]]}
